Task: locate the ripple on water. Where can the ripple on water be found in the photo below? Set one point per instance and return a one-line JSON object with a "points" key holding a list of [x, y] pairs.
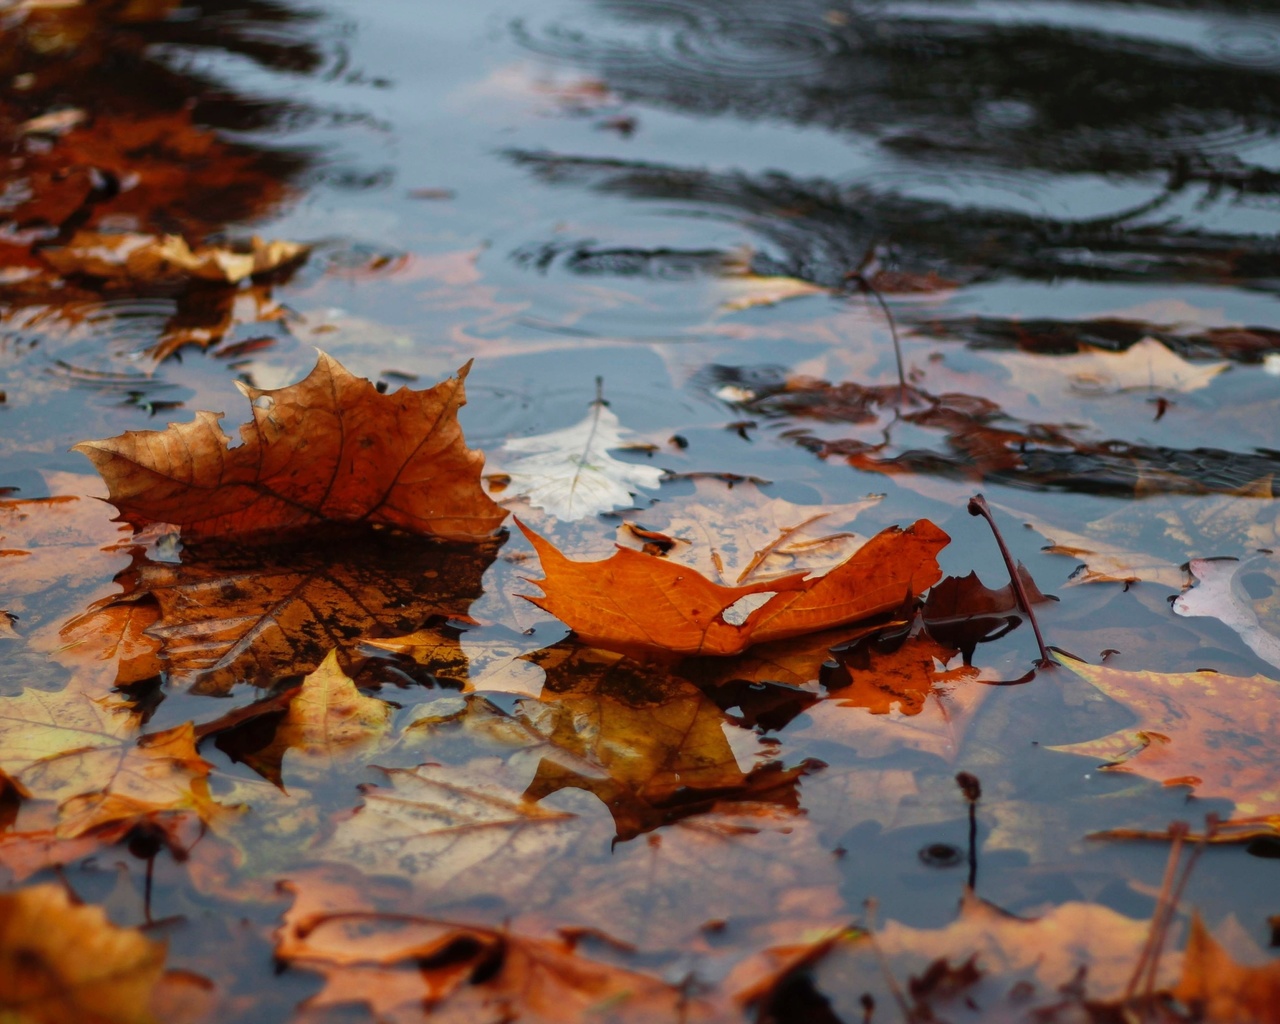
{"points": [[1257, 46]]}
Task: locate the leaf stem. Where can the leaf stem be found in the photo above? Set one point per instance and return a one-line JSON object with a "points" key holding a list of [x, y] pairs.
{"points": [[978, 507]]}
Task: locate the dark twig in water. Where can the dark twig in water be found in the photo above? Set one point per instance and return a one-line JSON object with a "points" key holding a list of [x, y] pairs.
{"points": [[978, 507], [861, 279], [972, 790]]}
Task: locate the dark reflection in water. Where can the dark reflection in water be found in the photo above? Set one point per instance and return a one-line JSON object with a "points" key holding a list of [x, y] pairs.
{"points": [[1162, 87]]}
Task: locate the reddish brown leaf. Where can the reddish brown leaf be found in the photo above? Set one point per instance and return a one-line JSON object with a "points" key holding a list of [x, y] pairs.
{"points": [[1218, 989], [327, 449], [633, 600]]}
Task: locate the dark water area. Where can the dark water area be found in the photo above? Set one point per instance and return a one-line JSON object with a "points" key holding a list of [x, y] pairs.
{"points": [[727, 214]]}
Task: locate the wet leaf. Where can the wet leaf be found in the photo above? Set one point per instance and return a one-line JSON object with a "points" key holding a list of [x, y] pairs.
{"points": [[256, 613], [144, 259], [570, 472], [1145, 365], [1217, 988], [962, 612], [327, 449], [636, 600], [650, 745], [452, 831], [1218, 590], [397, 964], [329, 722], [62, 962], [1204, 730]]}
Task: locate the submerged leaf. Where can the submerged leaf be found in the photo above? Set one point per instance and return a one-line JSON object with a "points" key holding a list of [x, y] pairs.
{"points": [[1218, 989], [330, 448]]}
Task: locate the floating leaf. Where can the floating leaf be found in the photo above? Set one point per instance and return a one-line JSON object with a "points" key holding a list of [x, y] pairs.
{"points": [[327, 449], [637, 600], [1218, 591], [570, 472], [148, 258], [1216, 988]]}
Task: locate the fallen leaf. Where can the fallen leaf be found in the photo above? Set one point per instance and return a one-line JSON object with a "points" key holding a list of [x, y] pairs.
{"points": [[327, 449], [570, 472], [254, 613], [650, 745], [1204, 730], [1147, 364], [1216, 988], [1019, 969], [730, 534], [148, 258], [746, 291], [61, 962], [399, 964], [328, 722], [453, 831], [639, 601], [961, 612], [1219, 591]]}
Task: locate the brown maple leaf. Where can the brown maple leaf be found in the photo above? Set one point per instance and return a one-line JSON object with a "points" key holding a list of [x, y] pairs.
{"points": [[330, 448], [1211, 732], [638, 601]]}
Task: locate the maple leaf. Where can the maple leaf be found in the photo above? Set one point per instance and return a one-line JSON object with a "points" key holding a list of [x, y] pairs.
{"points": [[454, 831], [962, 613], [639, 601], [327, 449], [78, 750], [328, 722], [1204, 730], [62, 962], [255, 613], [1219, 591], [730, 534], [570, 472], [399, 964], [148, 258], [991, 963], [650, 745], [1216, 988]]}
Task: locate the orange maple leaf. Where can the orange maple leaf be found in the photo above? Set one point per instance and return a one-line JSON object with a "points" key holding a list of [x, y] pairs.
{"points": [[638, 601], [327, 449]]}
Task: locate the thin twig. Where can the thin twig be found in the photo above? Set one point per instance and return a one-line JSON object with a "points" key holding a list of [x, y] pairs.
{"points": [[859, 278], [978, 507], [1155, 933]]}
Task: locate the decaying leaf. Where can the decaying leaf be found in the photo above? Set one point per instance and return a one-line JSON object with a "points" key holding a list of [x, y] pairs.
{"points": [[327, 449], [1220, 590], [734, 534], [961, 612], [149, 258], [61, 962], [1204, 730], [254, 613], [570, 472], [640, 601], [1216, 988]]}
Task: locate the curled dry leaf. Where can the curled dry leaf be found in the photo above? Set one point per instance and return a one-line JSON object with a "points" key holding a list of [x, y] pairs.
{"points": [[570, 472], [143, 259], [327, 449], [1220, 590], [60, 962], [1211, 732], [633, 600]]}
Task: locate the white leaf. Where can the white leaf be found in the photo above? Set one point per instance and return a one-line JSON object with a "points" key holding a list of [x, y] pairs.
{"points": [[570, 472]]}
